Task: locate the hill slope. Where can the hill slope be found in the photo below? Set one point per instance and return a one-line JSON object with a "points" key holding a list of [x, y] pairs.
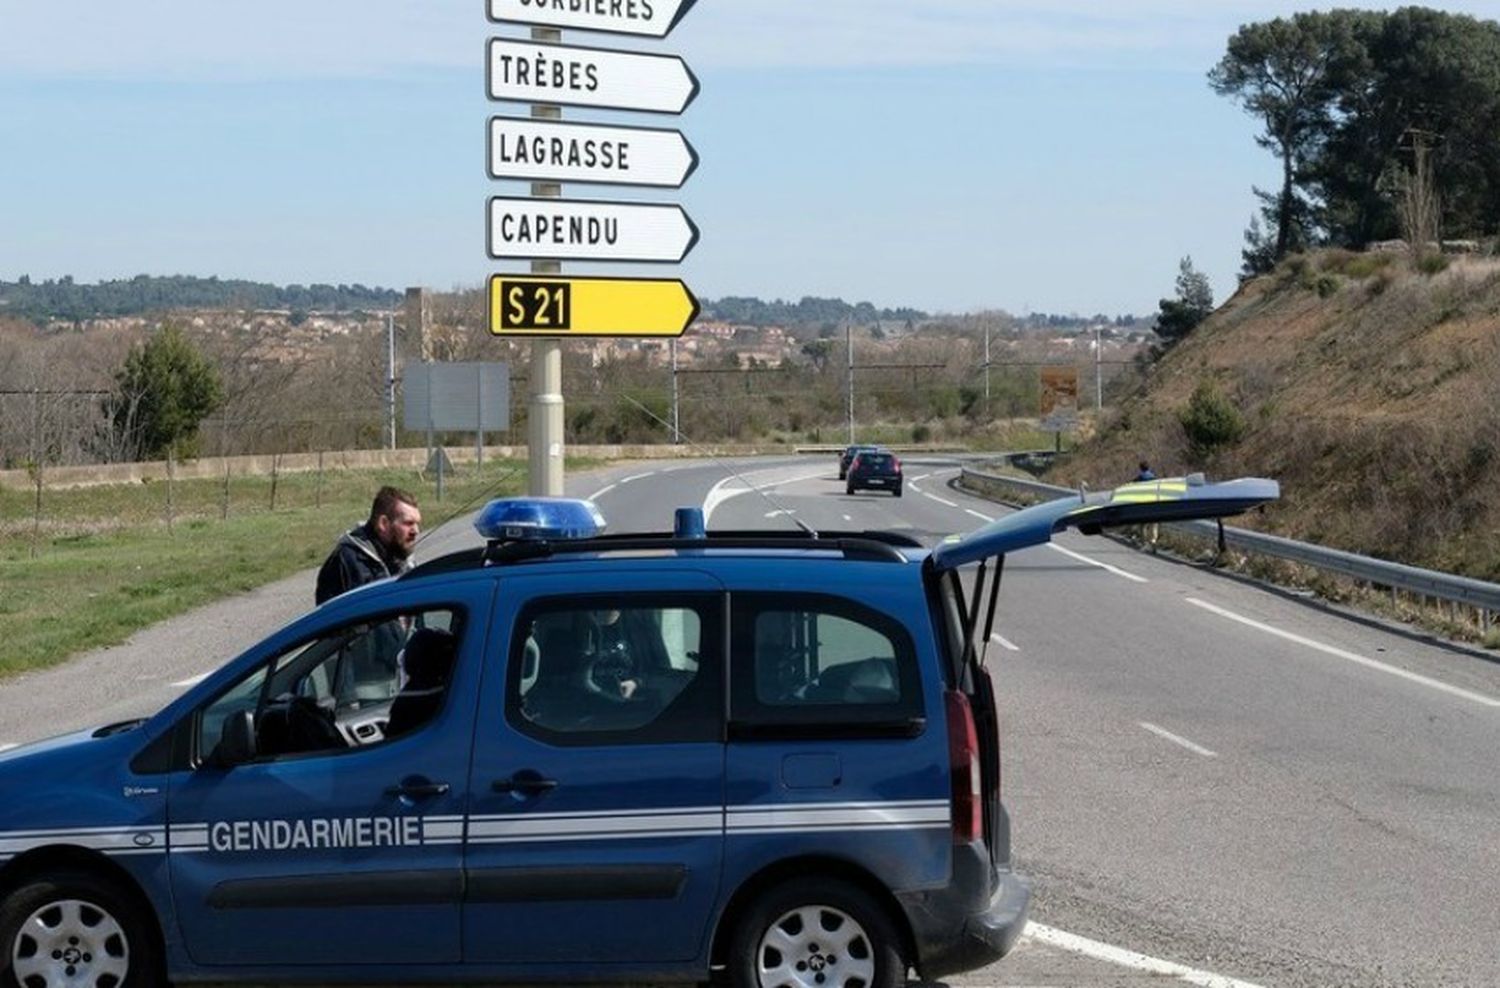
{"points": [[1371, 391]]}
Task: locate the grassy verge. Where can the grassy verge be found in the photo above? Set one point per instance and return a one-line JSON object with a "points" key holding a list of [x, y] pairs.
{"points": [[107, 561]]}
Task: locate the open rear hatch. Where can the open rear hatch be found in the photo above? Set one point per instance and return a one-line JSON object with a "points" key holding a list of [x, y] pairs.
{"points": [[1182, 499]]}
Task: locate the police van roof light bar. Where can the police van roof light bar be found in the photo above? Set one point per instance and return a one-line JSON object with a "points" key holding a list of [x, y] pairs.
{"points": [[539, 519]]}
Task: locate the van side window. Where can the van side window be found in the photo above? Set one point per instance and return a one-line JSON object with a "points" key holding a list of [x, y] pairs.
{"points": [[348, 688], [820, 661], [618, 670]]}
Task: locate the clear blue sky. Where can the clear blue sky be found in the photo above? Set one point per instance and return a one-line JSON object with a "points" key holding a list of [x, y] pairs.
{"points": [[1055, 155]]}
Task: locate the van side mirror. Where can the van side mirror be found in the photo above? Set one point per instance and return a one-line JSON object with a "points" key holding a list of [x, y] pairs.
{"points": [[236, 741]]}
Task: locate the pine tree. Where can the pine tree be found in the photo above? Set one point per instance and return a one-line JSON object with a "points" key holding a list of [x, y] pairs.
{"points": [[164, 390]]}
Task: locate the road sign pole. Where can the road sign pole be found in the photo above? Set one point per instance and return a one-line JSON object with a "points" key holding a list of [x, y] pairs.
{"points": [[545, 451]]}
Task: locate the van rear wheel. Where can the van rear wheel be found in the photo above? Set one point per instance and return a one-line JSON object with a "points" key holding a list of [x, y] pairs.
{"points": [[71, 928], [816, 933]]}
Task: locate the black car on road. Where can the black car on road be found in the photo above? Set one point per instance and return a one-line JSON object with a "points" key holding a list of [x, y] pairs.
{"points": [[847, 457], [874, 470]]}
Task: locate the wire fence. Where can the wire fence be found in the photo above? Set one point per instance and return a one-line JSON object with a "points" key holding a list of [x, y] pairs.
{"points": [[911, 400]]}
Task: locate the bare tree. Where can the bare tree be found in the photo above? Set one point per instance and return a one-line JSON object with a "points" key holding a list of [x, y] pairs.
{"points": [[50, 423], [1421, 209]]}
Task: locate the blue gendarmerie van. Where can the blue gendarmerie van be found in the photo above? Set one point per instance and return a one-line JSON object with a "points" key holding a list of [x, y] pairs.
{"points": [[749, 758]]}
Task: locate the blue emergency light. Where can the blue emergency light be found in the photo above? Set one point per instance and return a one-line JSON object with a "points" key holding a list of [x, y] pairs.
{"points": [[539, 519], [689, 524]]}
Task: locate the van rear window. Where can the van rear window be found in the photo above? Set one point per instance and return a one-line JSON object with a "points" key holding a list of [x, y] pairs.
{"points": [[819, 661]]}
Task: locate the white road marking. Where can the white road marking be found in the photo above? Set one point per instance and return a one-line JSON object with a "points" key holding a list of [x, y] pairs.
{"points": [[601, 492], [722, 493], [1129, 958], [778, 514], [1458, 691], [923, 477], [1094, 562], [639, 476], [1178, 739], [980, 515], [8, 747], [1000, 640], [939, 500], [190, 682]]}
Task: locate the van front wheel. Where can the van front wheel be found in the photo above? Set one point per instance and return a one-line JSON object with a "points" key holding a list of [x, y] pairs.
{"points": [[72, 929], [816, 933]]}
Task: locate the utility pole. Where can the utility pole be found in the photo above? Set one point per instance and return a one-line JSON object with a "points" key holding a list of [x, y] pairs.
{"points": [[545, 423], [390, 366], [1098, 369], [676, 406], [986, 368], [849, 346]]}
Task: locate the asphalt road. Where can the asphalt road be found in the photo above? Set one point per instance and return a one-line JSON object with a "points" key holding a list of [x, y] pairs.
{"points": [[1211, 782]]}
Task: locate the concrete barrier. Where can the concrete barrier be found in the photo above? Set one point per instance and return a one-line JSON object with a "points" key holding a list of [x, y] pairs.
{"points": [[213, 467]]}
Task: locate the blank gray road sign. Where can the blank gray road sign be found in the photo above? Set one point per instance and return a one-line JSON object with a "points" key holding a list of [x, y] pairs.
{"points": [[463, 397]]}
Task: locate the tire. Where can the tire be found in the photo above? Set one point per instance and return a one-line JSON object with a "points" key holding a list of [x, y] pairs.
{"points": [[849, 490], [853, 943], [897, 492], [75, 920]]}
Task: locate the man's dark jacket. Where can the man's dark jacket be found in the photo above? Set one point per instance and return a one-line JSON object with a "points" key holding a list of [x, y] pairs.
{"points": [[357, 559]]}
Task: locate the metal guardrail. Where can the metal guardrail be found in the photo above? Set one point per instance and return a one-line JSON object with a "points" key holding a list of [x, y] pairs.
{"points": [[1484, 597], [834, 449]]}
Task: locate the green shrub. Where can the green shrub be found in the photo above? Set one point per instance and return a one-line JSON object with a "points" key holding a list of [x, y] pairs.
{"points": [[1336, 260], [1431, 264], [1210, 421], [1362, 266], [921, 433], [1300, 270], [944, 402], [1384, 278], [1353, 264], [1327, 285]]}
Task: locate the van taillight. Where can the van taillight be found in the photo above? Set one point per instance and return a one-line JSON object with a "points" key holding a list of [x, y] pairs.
{"points": [[963, 763]]}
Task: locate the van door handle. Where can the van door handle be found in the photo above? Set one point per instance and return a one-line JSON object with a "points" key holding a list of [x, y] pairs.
{"points": [[526, 784], [419, 790]]}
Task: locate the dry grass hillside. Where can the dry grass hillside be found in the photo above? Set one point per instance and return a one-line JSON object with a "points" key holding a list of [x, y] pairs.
{"points": [[1369, 389]]}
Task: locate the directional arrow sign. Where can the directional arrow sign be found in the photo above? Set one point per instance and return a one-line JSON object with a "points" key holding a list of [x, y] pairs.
{"points": [[537, 72], [648, 18], [536, 305], [543, 151], [586, 230]]}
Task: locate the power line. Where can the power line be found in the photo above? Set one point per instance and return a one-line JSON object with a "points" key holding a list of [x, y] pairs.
{"points": [[53, 392]]}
